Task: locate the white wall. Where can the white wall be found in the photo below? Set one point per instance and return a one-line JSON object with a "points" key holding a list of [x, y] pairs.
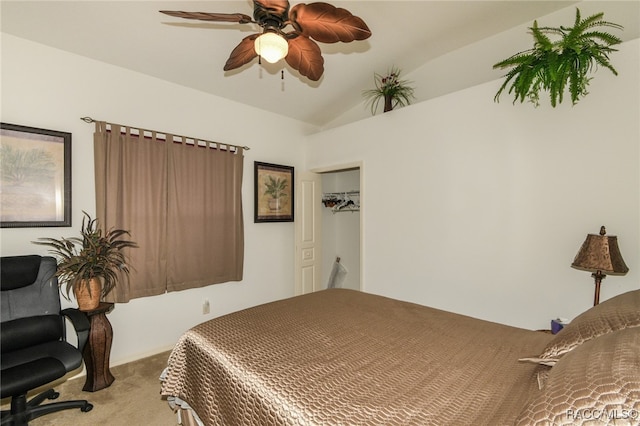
{"points": [[51, 89], [497, 198]]}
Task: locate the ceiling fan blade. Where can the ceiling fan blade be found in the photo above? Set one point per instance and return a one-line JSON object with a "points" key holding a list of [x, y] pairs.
{"points": [[242, 54], [240, 18], [327, 23], [305, 56], [278, 8]]}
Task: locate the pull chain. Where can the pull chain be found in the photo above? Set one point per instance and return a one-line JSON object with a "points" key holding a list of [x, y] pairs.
{"points": [[259, 50]]}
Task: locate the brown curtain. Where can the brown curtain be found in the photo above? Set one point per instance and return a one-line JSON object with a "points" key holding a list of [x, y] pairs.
{"points": [[181, 200]]}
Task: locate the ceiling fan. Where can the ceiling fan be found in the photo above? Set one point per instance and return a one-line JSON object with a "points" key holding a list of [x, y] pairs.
{"points": [[319, 21]]}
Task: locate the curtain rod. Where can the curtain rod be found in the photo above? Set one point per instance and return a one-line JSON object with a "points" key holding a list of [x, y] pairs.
{"points": [[91, 120]]}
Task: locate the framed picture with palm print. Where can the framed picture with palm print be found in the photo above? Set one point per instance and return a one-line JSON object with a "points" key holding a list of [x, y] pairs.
{"points": [[273, 189], [35, 177]]}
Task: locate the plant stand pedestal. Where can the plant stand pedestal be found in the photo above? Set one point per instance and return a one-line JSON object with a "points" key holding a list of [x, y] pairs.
{"points": [[96, 351]]}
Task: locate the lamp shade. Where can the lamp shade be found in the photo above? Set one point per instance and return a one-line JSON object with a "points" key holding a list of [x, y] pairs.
{"points": [[271, 46], [600, 253]]}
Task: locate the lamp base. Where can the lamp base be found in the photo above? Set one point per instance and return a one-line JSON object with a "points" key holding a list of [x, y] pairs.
{"points": [[598, 276]]}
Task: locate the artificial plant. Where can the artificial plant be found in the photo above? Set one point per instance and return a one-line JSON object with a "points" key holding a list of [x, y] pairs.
{"points": [[390, 88], [565, 63], [95, 254]]}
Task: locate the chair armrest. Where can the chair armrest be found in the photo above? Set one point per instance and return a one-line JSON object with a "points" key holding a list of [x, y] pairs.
{"points": [[80, 323]]}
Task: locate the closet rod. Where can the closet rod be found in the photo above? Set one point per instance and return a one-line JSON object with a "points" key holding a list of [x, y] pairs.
{"points": [[91, 120], [342, 193]]}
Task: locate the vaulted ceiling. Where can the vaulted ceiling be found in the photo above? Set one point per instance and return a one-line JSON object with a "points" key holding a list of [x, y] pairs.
{"points": [[406, 34]]}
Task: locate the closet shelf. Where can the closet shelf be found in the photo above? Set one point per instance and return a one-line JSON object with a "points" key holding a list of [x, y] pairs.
{"points": [[346, 209]]}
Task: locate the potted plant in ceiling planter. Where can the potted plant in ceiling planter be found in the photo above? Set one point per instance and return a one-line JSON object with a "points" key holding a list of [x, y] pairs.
{"points": [[556, 66], [393, 91], [90, 265], [275, 187]]}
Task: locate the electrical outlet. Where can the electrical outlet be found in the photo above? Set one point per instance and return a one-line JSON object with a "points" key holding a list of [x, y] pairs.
{"points": [[206, 308]]}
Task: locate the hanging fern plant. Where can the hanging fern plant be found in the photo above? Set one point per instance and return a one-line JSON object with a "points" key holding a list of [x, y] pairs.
{"points": [[555, 66]]}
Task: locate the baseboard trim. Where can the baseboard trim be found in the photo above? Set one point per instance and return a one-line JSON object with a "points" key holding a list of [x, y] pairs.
{"points": [[140, 356]]}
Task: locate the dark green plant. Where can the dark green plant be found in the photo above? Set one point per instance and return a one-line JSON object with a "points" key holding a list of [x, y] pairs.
{"points": [[555, 66], [275, 187], [390, 88], [92, 255]]}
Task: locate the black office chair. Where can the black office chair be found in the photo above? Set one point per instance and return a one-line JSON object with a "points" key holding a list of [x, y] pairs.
{"points": [[32, 334]]}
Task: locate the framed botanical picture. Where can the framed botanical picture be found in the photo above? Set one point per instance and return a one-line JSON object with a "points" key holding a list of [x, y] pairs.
{"points": [[273, 189], [35, 177]]}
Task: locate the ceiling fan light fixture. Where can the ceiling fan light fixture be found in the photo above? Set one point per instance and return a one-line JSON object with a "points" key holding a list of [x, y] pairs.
{"points": [[312, 23], [271, 46]]}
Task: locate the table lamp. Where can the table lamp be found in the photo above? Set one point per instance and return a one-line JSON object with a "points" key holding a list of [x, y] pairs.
{"points": [[600, 254]]}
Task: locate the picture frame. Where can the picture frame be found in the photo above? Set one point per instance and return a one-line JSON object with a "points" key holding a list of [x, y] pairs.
{"points": [[35, 182], [274, 192]]}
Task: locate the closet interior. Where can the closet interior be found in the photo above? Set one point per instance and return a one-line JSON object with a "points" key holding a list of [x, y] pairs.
{"points": [[341, 232]]}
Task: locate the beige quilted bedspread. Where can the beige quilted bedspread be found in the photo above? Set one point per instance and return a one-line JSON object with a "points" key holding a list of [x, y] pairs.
{"points": [[342, 357]]}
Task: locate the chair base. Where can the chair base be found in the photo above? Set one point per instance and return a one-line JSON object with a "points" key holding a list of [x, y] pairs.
{"points": [[22, 411]]}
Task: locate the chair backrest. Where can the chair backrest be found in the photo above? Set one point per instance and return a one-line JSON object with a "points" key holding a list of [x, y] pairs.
{"points": [[29, 302], [28, 287]]}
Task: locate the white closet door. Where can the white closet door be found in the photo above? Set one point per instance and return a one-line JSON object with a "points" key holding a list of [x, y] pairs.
{"points": [[308, 225]]}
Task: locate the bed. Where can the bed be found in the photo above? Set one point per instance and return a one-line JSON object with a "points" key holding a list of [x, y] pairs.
{"points": [[344, 357]]}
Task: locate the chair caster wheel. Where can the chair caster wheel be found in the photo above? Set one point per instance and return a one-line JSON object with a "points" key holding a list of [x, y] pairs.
{"points": [[87, 407], [54, 395]]}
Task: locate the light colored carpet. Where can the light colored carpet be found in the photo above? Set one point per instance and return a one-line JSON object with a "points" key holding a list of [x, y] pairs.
{"points": [[132, 399]]}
